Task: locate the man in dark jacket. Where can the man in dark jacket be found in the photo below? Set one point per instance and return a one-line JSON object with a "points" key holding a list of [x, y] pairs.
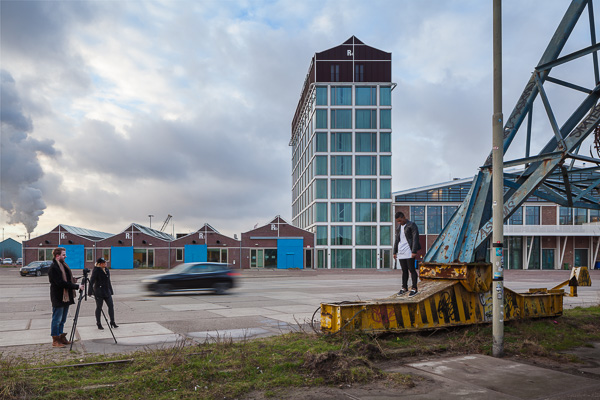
{"points": [[406, 246], [62, 295]]}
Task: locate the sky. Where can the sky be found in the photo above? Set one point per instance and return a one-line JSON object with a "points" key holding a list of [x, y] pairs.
{"points": [[115, 110]]}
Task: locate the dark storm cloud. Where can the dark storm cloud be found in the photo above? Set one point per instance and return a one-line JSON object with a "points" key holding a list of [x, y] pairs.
{"points": [[20, 169]]}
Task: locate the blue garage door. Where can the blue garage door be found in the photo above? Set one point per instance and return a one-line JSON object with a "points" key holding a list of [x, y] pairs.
{"points": [[195, 253], [121, 257], [75, 255], [289, 253]]}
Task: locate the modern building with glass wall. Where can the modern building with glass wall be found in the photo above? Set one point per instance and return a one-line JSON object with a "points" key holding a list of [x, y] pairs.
{"points": [[342, 157], [539, 235]]}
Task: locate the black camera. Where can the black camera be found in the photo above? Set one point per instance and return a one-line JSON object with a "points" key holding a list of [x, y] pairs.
{"points": [[86, 271]]}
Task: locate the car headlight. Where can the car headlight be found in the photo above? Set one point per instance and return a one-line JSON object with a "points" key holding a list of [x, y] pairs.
{"points": [[149, 280]]}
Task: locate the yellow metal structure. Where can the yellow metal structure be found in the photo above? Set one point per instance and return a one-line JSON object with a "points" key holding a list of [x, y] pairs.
{"points": [[449, 295], [580, 276]]}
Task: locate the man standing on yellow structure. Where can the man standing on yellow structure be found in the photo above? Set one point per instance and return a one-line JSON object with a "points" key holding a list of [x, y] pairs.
{"points": [[406, 246]]}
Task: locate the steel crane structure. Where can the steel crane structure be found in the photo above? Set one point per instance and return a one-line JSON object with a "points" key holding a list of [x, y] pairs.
{"points": [[550, 175]]}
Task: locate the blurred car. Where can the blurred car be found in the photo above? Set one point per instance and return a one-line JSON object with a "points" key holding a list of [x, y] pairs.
{"points": [[217, 277], [37, 268], [19, 261], [7, 261]]}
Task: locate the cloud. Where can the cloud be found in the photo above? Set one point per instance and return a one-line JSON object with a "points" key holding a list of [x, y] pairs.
{"points": [[20, 169]]}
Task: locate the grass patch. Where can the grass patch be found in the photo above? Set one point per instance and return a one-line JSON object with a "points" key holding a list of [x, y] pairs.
{"points": [[228, 369]]}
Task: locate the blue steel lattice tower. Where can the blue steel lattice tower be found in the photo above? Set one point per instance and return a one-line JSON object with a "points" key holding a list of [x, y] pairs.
{"points": [[342, 157]]}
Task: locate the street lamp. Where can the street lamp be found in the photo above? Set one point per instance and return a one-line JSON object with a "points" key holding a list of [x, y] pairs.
{"points": [[150, 216]]}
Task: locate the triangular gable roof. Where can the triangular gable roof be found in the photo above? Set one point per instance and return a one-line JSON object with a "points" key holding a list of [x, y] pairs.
{"points": [[149, 231], [85, 233], [353, 40], [208, 227]]}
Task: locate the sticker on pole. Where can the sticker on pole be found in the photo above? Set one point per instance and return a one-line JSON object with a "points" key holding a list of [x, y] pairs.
{"points": [[499, 252]]}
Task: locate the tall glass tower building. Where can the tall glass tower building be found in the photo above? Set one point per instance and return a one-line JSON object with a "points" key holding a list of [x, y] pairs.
{"points": [[342, 157]]}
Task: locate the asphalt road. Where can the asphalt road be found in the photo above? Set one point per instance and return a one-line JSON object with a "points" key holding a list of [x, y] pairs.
{"points": [[264, 303]]}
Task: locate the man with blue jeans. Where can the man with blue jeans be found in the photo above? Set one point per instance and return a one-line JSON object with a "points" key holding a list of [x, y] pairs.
{"points": [[62, 295]]}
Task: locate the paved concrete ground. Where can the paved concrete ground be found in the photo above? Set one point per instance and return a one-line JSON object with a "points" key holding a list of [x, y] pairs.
{"points": [[268, 303]]}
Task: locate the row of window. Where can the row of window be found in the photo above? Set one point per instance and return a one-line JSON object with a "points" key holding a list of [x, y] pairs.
{"points": [[342, 212], [364, 142], [366, 235], [365, 258], [363, 165], [342, 119], [364, 96], [434, 218], [535, 257]]}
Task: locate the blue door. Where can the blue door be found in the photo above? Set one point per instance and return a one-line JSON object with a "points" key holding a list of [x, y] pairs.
{"points": [[195, 253], [121, 257], [75, 255], [290, 253]]}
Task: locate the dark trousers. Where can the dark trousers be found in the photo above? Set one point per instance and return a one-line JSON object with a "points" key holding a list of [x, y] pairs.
{"points": [[408, 264], [109, 304]]}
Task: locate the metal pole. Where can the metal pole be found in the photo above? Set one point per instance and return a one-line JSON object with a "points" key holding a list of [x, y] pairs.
{"points": [[497, 189], [150, 216]]}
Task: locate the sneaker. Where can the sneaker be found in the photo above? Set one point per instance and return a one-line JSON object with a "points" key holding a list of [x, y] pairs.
{"points": [[402, 291], [413, 292]]}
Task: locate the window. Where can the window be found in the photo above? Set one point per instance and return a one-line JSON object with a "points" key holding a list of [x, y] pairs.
{"points": [[341, 258], [385, 142], [321, 257], [366, 142], [321, 188], [106, 254], [341, 212], [366, 165], [581, 258], [321, 116], [341, 235], [143, 258], [366, 258], [385, 212], [366, 235], [179, 254], [257, 259], [270, 258], [594, 215], [547, 258], [515, 252], [517, 217], [385, 96], [321, 165], [448, 213], [434, 220], [532, 215], [366, 212], [385, 119], [335, 73], [385, 165], [366, 96], [565, 216], [89, 255], [580, 216], [320, 212], [321, 235], [341, 188], [385, 235], [366, 119], [341, 165], [216, 255], [341, 141], [366, 188], [533, 250], [321, 95], [359, 73], [341, 96], [417, 215], [385, 189], [321, 141], [45, 254], [341, 119]]}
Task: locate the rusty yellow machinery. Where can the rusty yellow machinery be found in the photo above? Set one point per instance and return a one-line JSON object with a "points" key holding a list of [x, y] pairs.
{"points": [[579, 277], [449, 295]]}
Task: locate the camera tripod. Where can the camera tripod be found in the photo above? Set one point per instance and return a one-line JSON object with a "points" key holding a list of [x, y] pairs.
{"points": [[82, 295]]}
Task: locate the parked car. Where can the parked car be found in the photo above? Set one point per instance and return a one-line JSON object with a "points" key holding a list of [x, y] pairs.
{"points": [[217, 277], [37, 268], [19, 261], [7, 261]]}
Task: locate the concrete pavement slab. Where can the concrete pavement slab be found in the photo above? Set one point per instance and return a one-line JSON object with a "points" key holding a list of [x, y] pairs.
{"points": [[293, 319], [242, 312], [14, 325], [245, 333], [193, 307], [25, 337], [505, 377], [123, 331]]}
